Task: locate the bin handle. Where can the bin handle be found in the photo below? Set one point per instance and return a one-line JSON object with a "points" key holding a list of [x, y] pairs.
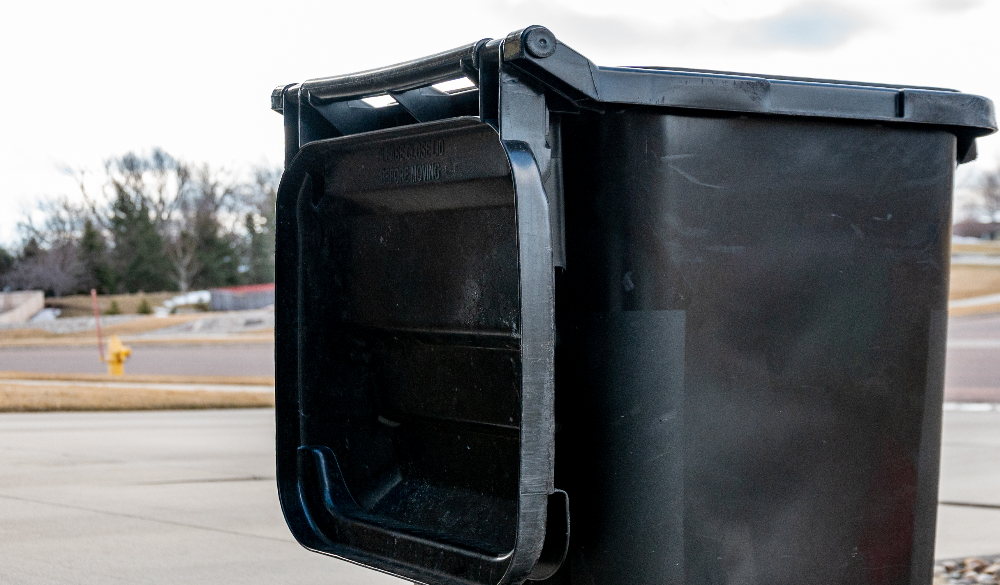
{"points": [[460, 62]]}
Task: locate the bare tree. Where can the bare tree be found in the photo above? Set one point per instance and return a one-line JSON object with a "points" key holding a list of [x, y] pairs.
{"points": [[62, 221], [185, 203], [156, 182], [259, 199], [156, 221], [263, 191], [182, 250], [977, 193], [49, 259], [57, 270], [989, 193], [170, 180], [181, 245]]}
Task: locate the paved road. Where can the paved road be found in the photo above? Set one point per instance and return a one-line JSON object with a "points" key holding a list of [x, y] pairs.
{"points": [[215, 359], [170, 498], [972, 373], [188, 497]]}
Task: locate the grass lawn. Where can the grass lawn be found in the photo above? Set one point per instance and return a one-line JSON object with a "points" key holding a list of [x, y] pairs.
{"points": [[135, 326], [969, 281], [990, 248], [18, 398]]}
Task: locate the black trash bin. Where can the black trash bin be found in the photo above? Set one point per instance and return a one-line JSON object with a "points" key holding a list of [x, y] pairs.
{"points": [[697, 317]]}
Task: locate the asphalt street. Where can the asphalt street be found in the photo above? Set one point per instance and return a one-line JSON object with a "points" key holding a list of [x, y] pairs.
{"points": [[972, 373], [214, 359]]}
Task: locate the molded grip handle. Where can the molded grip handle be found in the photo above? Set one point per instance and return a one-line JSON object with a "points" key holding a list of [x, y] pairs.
{"points": [[445, 66]]}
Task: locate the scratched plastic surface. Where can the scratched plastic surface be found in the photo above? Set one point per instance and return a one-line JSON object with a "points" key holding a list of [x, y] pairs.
{"points": [[751, 326]]}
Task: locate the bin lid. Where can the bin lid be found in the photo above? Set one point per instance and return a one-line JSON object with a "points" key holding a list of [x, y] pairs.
{"points": [[587, 84], [584, 83], [581, 84]]}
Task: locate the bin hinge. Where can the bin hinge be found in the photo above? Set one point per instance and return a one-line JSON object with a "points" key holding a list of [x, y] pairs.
{"points": [[536, 51]]}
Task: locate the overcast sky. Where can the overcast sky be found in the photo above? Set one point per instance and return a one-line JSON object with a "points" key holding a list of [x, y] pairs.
{"points": [[83, 81]]}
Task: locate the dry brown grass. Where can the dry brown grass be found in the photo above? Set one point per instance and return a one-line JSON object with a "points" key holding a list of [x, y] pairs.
{"points": [[128, 304], [133, 327], [257, 332], [991, 248], [18, 398], [140, 325], [144, 324], [969, 281], [141, 378], [13, 334], [977, 310], [236, 339]]}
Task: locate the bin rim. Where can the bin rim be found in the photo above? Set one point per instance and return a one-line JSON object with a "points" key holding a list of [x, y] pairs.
{"points": [[801, 97], [573, 77]]}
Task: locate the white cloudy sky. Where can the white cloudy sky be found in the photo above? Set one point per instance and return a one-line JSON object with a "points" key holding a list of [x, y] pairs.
{"points": [[82, 81]]}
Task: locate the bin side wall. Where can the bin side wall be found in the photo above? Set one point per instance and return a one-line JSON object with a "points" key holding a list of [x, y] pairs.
{"points": [[803, 266]]}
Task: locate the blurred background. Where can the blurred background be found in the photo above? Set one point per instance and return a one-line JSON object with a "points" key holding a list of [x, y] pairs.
{"points": [[140, 159], [176, 98]]}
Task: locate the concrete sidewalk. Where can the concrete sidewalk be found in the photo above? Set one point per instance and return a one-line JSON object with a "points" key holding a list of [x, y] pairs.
{"points": [[969, 515], [189, 498], [168, 498]]}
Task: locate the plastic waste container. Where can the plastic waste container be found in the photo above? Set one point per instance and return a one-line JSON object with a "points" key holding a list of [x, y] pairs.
{"points": [[580, 324]]}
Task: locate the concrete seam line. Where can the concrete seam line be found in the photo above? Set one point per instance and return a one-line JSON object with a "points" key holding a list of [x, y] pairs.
{"points": [[970, 505], [136, 517]]}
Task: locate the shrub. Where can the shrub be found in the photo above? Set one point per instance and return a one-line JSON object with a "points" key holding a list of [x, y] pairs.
{"points": [[113, 309], [144, 307]]}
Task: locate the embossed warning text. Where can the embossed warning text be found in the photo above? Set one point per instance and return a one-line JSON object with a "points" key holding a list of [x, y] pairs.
{"points": [[410, 174], [411, 151], [414, 150]]}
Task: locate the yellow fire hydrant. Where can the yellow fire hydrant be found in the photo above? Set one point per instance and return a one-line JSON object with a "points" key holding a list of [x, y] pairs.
{"points": [[116, 356]]}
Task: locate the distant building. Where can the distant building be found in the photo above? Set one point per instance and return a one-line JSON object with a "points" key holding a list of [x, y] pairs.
{"points": [[970, 228], [242, 298]]}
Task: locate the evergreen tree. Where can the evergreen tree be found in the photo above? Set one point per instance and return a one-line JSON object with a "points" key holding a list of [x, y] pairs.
{"points": [[94, 255], [260, 252], [31, 250], [218, 262], [166, 225], [6, 262], [260, 196], [139, 257], [216, 251]]}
